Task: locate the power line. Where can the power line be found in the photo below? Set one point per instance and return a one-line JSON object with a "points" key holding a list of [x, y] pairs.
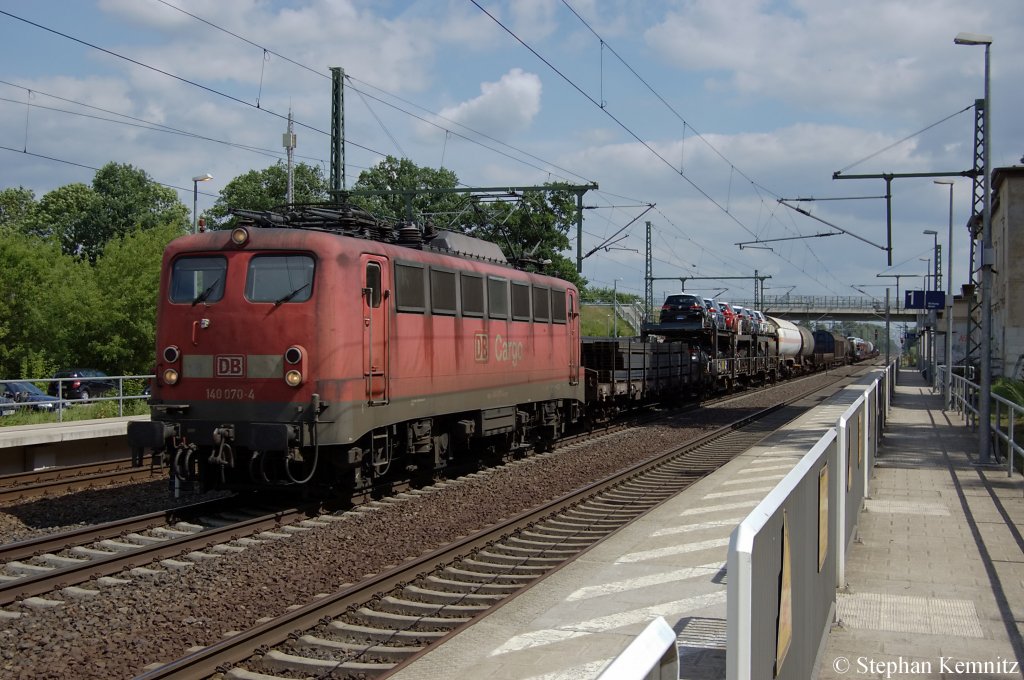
{"points": [[140, 123], [363, 94], [89, 167]]}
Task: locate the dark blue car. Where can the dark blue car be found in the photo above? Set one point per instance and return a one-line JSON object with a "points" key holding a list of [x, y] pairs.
{"points": [[24, 392]]}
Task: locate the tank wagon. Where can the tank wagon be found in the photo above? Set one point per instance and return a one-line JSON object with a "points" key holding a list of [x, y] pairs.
{"points": [[321, 347]]}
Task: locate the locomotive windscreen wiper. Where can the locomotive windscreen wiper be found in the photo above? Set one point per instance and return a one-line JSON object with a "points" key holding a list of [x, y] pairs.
{"points": [[205, 294], [290, 295]]}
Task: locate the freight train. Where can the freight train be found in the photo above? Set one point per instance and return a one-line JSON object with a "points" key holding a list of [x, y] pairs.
{"points": [[322, 347]]}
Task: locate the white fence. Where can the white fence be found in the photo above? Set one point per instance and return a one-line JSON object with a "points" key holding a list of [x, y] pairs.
{"points": [[788, 556]]}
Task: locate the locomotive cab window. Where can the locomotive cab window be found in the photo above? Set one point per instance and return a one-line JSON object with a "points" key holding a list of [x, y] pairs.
{"points": [[442, 291], [520, 301], [373, 283], [198, 279], [409, 288], [497, 298], [472, 289], [279, 278]]}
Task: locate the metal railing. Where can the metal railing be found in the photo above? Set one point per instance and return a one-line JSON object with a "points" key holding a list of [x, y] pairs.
{"points": [[62, 402], [965, 397]]}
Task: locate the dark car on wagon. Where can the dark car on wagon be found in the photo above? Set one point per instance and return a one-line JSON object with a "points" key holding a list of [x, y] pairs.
{"points": [[81, 383], [685, 308]]}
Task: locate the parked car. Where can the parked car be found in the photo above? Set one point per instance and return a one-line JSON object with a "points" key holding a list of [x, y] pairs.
{"points": [[24, 392], [685, 308], [7, 407], [729, 315], [81, 383], [717, 320]]}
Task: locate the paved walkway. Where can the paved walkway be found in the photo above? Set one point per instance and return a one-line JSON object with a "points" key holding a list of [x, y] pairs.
{"points": [[936, 578]]}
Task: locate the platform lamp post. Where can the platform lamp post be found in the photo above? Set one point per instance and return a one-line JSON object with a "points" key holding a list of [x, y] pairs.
{"points": [[985, 388], [922, 355], [947, 387], [935, 282], [205, 177]]}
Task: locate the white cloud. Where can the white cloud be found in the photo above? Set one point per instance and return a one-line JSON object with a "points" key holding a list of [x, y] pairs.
{"points": [[503, 108]]}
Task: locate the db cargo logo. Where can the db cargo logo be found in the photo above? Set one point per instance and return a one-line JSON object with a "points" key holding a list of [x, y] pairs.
{"points": [[480, 347], [230, 366]]}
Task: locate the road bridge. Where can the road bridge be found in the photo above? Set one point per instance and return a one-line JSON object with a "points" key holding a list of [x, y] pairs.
{"points": [[830, 308]]}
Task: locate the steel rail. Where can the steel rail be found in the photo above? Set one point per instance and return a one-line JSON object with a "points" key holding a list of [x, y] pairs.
{"points": [[217, 657]]}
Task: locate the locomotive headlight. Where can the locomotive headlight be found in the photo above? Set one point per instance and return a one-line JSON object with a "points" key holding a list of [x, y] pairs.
{"points": [[171, 354], [239, 236], [170, 376], [293, 378], [293, 354]]}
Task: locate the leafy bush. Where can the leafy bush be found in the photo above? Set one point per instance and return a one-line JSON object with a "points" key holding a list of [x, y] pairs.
{"points": [[1009, 389]]}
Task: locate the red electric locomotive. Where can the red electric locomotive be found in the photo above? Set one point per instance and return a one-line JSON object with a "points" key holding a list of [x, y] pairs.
{"points": [[340, 351]]}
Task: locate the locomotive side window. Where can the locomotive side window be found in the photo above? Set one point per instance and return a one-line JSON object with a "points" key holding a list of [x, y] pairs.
{"points": [[409, 288], [472, 289], [442, 291], [198, 279], [520, 301], [279, 278], [557, 305], [541, 303], [497, 298], [373, 283]]}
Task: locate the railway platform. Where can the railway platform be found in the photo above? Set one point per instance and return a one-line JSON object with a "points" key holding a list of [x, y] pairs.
{"points": [[670, 563], [935, 577], [31, 447], [935, 582]]}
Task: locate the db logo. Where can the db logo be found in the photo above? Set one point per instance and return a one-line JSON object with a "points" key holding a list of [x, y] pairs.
{"points": [[230, 366], [480, 347]]}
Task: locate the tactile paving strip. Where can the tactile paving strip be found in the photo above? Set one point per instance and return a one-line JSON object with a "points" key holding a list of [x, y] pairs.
{"points": [[906, 507], [906, 614]]}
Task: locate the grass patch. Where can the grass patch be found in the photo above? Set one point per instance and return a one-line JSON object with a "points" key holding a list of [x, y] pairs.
{"points": [[597, 321], [77, 412]]}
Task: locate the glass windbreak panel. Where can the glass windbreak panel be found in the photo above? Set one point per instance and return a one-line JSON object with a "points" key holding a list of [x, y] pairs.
{"points": [[198, 279], [279, 278]]}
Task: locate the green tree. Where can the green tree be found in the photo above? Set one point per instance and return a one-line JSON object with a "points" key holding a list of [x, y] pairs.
{"points": [[535, 231], [64, 216], [266, 189], [443, 210], [127, 280], [47, 304], [121, 200], [15, 206]]}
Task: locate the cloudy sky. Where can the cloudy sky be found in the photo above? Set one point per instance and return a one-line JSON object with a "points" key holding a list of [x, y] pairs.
{"points": [[710, 110]]}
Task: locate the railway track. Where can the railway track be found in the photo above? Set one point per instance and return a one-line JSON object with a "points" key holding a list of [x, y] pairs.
{"points": [[378, 624], [52, 481], [172, 539]]}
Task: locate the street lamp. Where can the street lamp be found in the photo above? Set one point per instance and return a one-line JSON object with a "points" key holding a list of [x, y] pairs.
{"points": [[984, 405], [205, 177], [948, 380]]}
